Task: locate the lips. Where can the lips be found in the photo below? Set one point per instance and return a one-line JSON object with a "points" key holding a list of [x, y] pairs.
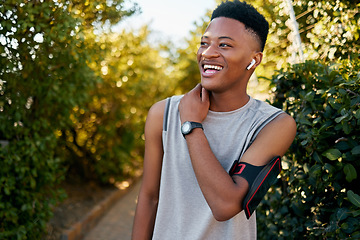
{"points": [[210, 69]]}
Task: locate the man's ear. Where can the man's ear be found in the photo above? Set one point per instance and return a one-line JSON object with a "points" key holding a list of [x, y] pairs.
{"points": [[258, 58]]}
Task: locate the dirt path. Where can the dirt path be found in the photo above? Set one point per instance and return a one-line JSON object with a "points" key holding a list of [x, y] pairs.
{"points": [[117, 223]]}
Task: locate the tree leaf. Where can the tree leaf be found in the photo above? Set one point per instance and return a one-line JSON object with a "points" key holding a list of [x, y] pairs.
{"points": [[346, 127], [317, 158], [342, 213], [353, 198], [339, 119], [304, 121], [356, 150], [356, 213], [315, 170], [350, 172], [332, 154]]}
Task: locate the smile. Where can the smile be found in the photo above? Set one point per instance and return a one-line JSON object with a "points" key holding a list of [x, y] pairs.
{"points": [[212, 67], [210, 70]]}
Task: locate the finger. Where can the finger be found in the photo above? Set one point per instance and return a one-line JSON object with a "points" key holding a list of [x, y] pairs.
{"points": [[196, 91], [204, 95]]}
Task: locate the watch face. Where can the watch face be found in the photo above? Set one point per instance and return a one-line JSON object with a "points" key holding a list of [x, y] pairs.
{"points": [[186, 128]]}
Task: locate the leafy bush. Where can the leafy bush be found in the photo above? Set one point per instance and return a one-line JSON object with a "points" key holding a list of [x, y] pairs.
{"points": [[44, 75], [317, 196], [106, 141]]}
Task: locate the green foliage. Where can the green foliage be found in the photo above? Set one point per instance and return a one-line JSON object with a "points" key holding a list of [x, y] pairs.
{"points": [[316, 197], [329, 30], [28, 173], [44, 74], [106, 140]]}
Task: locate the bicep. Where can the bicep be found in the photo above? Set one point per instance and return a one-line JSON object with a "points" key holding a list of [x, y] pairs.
{"points": [[153, 150], [273, 140]]}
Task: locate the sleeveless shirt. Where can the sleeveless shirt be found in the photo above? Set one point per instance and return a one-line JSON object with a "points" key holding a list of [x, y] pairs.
{"points": [[183, 212]]}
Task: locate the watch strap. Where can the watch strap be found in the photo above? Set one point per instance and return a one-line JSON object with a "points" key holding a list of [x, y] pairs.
{"points": [[196, 125]]}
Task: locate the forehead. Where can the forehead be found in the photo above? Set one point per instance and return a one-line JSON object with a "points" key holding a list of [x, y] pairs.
{"points": [[228, 27]]}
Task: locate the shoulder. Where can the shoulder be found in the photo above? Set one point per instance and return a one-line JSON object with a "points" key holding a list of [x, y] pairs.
{"points": [[155, 116], [284, 121], [280, 132], [157, 110]]}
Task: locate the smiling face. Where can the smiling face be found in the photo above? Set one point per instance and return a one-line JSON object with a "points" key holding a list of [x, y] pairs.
{"points": [[226, 49]]}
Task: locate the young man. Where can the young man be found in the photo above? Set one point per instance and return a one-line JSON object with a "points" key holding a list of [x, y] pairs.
{"points": [[187, 192]]}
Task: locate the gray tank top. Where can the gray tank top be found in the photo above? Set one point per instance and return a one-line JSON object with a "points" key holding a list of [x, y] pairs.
{"points": [[183, 212]]}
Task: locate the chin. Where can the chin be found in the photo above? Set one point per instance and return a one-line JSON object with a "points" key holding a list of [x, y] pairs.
{"points": [[210, 85], [205, 84]]}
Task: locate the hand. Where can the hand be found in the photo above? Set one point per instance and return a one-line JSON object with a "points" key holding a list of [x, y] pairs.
{"points": [[195, 104]]}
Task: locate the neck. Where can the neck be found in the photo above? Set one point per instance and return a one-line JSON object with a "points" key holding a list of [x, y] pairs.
{"points": [[227, 102]]}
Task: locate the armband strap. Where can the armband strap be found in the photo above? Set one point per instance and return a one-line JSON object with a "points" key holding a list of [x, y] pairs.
{"points": [[246, 170], [261, 183]]}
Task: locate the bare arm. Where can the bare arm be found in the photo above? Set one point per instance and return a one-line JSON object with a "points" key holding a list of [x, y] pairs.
{"points": [[149, 192], [223, 193]]}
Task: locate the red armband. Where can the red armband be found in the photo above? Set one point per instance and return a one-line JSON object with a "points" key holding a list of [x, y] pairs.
{"points": [[260, 180]]}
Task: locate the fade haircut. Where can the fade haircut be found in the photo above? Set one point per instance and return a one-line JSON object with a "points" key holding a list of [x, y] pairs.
{"points": [[254, 22]]}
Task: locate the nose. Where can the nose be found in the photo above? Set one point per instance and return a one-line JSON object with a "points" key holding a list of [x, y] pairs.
{"points": [[209, 52]]}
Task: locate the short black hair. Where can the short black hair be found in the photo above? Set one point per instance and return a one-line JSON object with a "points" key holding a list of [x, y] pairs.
{"points": [[254, 22]]}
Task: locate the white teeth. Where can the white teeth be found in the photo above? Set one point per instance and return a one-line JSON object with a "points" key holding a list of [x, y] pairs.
{"points": [[212, 67]]}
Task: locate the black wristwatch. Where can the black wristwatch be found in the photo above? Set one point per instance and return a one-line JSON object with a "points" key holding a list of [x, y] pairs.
{"points": [[187, 127]]}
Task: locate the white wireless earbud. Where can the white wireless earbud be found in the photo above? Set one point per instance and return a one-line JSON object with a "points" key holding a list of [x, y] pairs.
{"points": [[251, 64]]}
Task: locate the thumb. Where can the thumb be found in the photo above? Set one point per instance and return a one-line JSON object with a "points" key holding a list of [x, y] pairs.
{"points": [[204, 95]]}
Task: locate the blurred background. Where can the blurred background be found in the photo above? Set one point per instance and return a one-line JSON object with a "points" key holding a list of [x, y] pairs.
{"points": [[78, 77]]}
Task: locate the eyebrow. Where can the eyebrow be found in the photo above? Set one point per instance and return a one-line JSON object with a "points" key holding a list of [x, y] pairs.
{"points": [[226, 37], [221, 37]]}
